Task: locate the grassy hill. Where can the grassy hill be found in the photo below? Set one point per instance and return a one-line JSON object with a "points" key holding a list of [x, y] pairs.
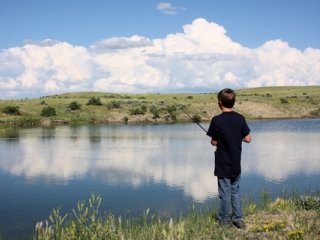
{"points": [[99, 107]]}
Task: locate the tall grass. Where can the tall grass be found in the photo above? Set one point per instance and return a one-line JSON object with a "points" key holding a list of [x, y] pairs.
{"points": [[291, 218]]}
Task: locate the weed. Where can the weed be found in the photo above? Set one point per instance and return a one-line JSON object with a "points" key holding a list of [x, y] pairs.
{"points": [[265, 199], [139, 110], [196, 118], [270, 226], [284, 100], [155, 111], [125, 120], [281, 204], [308, 202], [295, 234], [114, 104], [86, 222]]}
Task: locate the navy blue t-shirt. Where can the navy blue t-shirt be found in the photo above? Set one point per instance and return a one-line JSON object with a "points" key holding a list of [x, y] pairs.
{"points": [[228, 129]]}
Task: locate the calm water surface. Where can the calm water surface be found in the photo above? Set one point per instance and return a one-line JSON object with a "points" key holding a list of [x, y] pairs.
{"points": [[167, 168]]}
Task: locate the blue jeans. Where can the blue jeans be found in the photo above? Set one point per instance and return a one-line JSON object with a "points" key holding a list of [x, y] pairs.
{"points": [[229, 195]]}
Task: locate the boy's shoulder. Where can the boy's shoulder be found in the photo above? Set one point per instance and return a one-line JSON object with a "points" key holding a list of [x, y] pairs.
{"points": [[232, 114], [226, 117]]}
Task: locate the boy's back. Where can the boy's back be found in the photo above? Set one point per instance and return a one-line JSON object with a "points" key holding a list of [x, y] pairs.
{"points": [[228, 129]]}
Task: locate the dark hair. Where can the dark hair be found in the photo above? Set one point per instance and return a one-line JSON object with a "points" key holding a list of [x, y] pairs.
{"points": [[227, 97]]}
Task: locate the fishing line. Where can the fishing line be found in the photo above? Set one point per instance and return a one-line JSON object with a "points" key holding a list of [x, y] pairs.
{"points": [[193, 119]]}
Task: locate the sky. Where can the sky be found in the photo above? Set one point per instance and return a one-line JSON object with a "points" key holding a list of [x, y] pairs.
{"points": [[126, 46]]}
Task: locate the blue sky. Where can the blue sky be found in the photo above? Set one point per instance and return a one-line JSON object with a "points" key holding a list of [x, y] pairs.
{"points": [[255, 28], [249, 22]]}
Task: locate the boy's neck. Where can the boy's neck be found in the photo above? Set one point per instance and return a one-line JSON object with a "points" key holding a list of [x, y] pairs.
{"points": [[224, 109]]}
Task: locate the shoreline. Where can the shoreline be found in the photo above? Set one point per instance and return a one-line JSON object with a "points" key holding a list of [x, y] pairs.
{"points": [[61, 122]]}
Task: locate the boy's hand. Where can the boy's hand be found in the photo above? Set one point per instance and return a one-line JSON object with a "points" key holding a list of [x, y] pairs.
{"points": [[214, 142], [247, 139]]}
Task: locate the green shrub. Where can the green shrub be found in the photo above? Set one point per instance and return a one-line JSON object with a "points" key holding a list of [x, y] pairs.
{"points": [[171, 109], [173, 117], [308, 203], [155, 111], [26, 121], [48, 112], [172, 112], [196, 118], [144, 108], [139, 110], [114, 104], [94, 101], [283, 100], [125, 120], [74, 105], [12, 110]]}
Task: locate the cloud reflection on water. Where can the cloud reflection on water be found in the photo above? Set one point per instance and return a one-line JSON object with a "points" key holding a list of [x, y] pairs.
{"points": [[279, 155], [178, 156]]}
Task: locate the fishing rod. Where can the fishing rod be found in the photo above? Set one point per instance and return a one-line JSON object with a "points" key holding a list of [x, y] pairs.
{"points": [[193, 119]]}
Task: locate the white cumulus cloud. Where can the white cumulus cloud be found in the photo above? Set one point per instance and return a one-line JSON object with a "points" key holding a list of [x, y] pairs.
{"points": [[200, 58]]}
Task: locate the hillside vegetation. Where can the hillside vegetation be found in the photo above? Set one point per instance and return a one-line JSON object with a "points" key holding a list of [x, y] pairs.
{"points": [[99, 107]]}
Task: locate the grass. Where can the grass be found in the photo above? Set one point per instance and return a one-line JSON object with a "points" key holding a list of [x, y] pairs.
{"points": [[302, 96], [295, 217], [254, 103]]}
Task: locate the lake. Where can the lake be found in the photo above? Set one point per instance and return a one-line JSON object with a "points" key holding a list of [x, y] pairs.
{"points": [[167, 168]]}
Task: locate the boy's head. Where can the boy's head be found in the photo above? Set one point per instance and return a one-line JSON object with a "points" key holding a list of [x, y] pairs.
{"points": [[226, 98]]}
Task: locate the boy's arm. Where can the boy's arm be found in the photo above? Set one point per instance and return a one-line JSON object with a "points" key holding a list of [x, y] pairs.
{"points": [[247, 139]]}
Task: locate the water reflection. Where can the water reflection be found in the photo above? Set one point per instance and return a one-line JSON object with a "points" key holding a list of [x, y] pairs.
{"points": [[117, 155], [179, 156], [279, 155]]}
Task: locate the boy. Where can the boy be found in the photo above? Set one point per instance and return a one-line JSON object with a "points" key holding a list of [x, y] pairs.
{"points": [[227, 131]]}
